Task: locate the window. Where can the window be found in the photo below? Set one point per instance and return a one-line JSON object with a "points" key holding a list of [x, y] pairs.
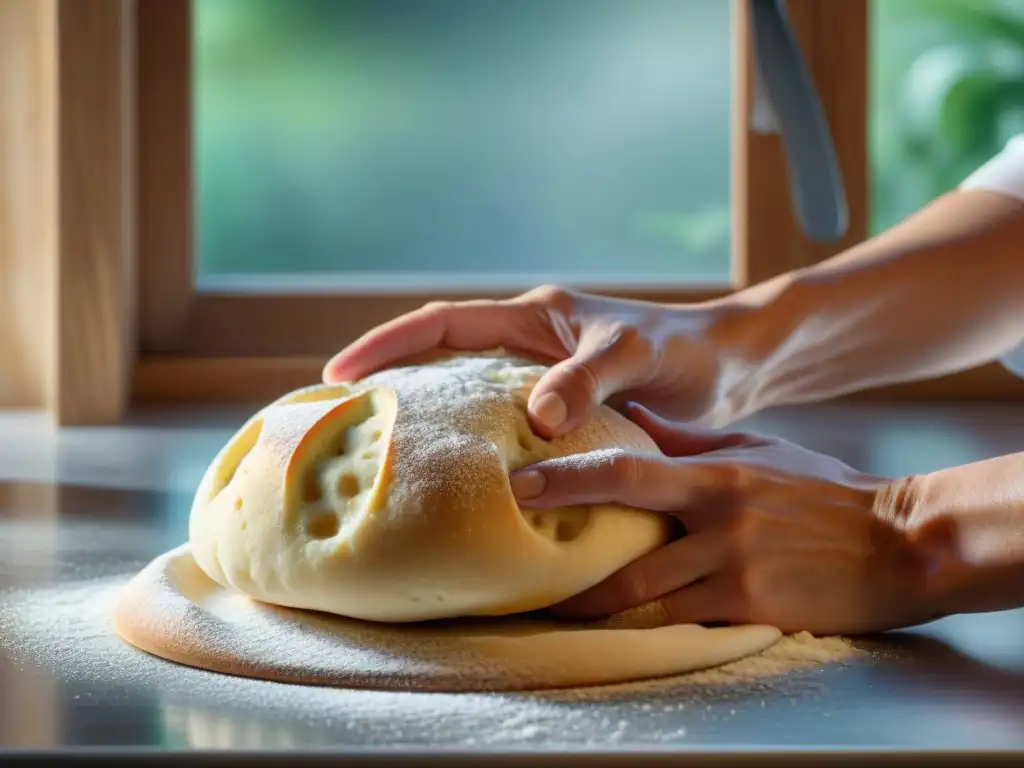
{"points": [[270, 178], [376, 145], [309, 169]]}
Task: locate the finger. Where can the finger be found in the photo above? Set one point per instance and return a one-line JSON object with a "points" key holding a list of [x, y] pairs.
{"points": [[613, 476], [646, 579], [469, 325], [703, 602], [678, 439], [606, 361]]}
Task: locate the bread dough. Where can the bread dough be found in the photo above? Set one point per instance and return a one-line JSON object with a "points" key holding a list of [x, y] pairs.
{"points": [[388, 501], [173, 610]]}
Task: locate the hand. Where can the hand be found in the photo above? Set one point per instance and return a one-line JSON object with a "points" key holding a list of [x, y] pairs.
{"points": [[666, 357], [775, 534]]}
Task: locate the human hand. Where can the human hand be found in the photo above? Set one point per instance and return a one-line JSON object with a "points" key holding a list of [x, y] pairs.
{"points": [[669, 358], [776, 534]]}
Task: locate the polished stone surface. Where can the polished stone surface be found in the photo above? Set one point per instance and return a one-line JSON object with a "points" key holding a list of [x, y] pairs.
{"points": [[81, 510]]}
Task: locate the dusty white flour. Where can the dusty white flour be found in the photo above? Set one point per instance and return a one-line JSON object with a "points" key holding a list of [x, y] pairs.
{"points": [[66, 631]]}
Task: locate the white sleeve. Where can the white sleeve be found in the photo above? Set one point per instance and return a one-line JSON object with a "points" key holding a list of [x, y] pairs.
{"points": [[1004, 173]]}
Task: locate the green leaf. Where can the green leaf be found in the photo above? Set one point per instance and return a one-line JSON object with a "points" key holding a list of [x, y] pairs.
{"points": [[981, 19], [969, 118]]}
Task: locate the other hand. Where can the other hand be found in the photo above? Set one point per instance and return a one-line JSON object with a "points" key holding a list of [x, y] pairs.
{"points": [[776, 534], [666, 357]]}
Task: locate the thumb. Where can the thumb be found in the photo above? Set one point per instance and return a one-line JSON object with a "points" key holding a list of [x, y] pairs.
{"points": [[678, 439], [606, 361]]}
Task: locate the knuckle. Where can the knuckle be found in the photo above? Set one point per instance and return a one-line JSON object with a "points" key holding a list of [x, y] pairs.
{"points": [[583, 379], [673, 611], [743, 600], [625, 469], [746, 530], [730, 475], [747, 577], [630, 339], [738, 438], [437, 307], [554, 296]]}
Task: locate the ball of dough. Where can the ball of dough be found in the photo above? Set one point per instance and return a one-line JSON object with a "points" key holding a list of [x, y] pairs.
{"points": [[388, 499]]}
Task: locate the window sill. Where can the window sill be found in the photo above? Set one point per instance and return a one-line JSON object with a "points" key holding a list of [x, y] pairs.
{"points": [[197, 380]]}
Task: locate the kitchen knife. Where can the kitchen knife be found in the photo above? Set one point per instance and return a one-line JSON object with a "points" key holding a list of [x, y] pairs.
{"points": [[785, 102]]}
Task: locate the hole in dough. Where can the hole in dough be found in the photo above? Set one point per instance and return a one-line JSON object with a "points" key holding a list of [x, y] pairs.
{"points": [[571, 524], [311, 486], [324, 526], [525, 440], [561, 525], [326, 472], [348, 485]]}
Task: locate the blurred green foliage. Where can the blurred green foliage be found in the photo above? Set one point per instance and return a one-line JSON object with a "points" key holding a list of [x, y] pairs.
{"points": [[947, 80]]}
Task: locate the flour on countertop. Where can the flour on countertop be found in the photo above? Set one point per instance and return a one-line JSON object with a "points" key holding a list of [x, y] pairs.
{"points": [[67, 631]]}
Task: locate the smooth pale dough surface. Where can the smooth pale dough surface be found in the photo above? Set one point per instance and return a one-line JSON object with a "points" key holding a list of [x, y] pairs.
{"points": [[173, 610], [388, 501]]}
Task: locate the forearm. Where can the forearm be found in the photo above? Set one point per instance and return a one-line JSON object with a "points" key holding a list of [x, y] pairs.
{"points": [[967, 524], [939, 293]]}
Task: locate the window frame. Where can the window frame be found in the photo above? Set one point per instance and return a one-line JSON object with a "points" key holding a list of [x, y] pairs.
{"points": [[116, 74], [179, 326]]}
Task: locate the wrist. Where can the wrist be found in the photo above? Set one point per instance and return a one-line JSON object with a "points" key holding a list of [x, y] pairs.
{"points": [[752, 330], [965, 524], [924, 553]]}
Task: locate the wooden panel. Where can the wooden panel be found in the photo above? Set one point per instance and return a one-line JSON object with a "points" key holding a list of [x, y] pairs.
{"points": [[164, 120], [95, 281], [768, 241], [241, 324], [987, 382], [27, 200], [170, 379]]}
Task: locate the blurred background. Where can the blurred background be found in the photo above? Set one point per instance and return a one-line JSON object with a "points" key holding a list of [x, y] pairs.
{"points": [[536, 140]]}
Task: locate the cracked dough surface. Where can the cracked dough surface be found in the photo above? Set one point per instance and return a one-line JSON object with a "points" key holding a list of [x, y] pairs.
{"points": [[385, 503]]}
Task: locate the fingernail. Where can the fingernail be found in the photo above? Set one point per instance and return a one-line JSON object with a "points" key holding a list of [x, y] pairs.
{"points": [[550, 410], [528, 484]]}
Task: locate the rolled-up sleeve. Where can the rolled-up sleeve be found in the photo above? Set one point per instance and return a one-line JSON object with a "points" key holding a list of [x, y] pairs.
{"points": [[1004, 173]]}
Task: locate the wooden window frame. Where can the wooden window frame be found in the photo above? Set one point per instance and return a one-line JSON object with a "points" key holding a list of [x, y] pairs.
{"points": [[125, 322], [186, 336]]}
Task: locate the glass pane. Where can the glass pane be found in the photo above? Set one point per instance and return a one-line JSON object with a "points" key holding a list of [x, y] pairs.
{"points": [[947, 80], [434, 142]]}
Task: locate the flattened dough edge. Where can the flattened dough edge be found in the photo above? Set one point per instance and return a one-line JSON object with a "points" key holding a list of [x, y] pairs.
{"points": [[172, 610]]}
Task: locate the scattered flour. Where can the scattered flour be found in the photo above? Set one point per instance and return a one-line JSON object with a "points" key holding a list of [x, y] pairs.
{"points": [[67, 631]]}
